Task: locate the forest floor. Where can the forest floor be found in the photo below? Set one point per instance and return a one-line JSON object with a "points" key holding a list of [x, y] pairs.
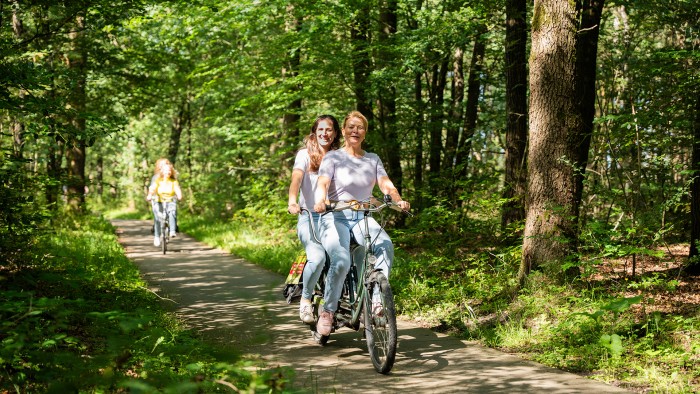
{"points": [[684, 300]]}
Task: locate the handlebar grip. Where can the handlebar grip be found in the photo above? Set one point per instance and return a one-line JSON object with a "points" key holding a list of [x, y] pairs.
{"points": [[329, 207]]}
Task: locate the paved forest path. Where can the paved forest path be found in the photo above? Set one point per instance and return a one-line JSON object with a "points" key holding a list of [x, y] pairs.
{"points": [[238, 304]]}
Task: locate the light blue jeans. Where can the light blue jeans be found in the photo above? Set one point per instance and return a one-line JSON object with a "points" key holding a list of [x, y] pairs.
{"points": [[170, 207], [335, 229], [315, 254]]}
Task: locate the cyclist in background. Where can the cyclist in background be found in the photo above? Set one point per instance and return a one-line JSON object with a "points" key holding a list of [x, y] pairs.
{"points": [[164, 189], [350, 173], [324, 137]]}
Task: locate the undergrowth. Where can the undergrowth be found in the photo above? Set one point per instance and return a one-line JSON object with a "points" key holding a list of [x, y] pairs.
{"points": [[607, 330], [75, 316]]}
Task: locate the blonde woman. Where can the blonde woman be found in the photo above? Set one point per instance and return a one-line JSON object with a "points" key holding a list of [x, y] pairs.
{"points": [[165, 190]]}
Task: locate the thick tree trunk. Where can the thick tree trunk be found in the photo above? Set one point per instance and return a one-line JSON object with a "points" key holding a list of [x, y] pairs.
{"points": [[550, 226], [516, 113], [76, 147], [386, 104]]}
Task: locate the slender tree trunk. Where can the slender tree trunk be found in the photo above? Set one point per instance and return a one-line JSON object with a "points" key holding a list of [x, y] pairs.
{"points": [[456, 118], [586, 60], [418, 124], [179, 121], [516, 113], [386, 105], [471, 111], [290, 120], [437, 117], [550, 227], [76, 147], [694, 264], [362, 64], [17, 126]]}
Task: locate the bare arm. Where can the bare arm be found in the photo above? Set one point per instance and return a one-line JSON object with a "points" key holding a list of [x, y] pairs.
{"points": [[387, 187], [294, 186], [178, 191], [321, 191]]}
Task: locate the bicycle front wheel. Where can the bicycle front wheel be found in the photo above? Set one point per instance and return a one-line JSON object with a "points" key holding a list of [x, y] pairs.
{"points": [[164, 238], [380, 323]]}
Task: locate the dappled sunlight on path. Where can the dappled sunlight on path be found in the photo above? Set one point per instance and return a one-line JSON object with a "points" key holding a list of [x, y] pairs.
{"points": [[239, 306]]}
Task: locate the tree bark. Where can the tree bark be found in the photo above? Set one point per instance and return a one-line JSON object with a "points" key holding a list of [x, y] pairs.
{"points": [[516, 113], [550, 226]]}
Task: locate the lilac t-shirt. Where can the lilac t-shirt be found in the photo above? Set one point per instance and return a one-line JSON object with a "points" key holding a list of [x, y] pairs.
{"points": [[352, 178], [308, 182]]}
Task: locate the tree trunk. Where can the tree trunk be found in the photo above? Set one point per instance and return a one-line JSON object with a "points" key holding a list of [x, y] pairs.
{"points": [[550, 226], [456, 118], [290, 120], [179, 121], [437, 117], [362, 65], [17, 126], [516, 113], [694, 263], [386, 104], [418, 124], [471, 111], [76, 147]]}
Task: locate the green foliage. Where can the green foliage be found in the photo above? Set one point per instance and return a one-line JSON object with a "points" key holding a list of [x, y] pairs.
{"points": [[81, 319]]}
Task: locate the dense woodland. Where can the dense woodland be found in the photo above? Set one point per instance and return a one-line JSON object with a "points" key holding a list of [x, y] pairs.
{"points": [[562, 132]]}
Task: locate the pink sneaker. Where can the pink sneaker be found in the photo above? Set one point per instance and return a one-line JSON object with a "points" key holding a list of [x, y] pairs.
{"points": [[325, 323]]}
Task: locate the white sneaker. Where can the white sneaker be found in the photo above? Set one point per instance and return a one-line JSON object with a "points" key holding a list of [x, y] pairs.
{"points": [[156, 241]]}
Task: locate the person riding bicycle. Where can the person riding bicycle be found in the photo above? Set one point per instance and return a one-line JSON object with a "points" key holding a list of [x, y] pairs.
{"points": [[165, 189], [324, 136], [349, 174]]}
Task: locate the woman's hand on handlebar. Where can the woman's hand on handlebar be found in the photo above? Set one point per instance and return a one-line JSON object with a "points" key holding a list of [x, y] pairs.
{"points": [[294, 208], [320, 207], [405, 205]]}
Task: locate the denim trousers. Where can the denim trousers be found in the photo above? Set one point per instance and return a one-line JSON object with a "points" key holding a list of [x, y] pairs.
{"points": [[335, 230], [315, 254], [171, 208]]}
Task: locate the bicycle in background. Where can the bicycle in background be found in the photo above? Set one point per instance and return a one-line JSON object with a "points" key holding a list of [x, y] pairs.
{"points": [[164, 217], [363, 279]]}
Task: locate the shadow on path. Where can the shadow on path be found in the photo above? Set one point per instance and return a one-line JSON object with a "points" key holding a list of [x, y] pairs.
{"points": [[239, 306]]}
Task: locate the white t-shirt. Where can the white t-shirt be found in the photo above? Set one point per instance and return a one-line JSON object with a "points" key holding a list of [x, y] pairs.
{"points": [[308, 182], [352, 178]]}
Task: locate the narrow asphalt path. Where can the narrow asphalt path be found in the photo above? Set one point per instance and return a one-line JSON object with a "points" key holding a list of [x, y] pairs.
{"points": [[239, 306]]}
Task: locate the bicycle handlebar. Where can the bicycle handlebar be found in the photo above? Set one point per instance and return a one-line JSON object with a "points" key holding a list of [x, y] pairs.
{"points": [[368, 205]]}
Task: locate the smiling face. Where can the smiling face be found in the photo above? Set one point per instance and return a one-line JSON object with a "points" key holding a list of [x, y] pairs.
{"points": [[325, 134], [354, 131]]}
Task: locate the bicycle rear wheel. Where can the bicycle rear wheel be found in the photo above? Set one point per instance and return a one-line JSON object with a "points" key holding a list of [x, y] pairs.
{"points": [[380, 324]]}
